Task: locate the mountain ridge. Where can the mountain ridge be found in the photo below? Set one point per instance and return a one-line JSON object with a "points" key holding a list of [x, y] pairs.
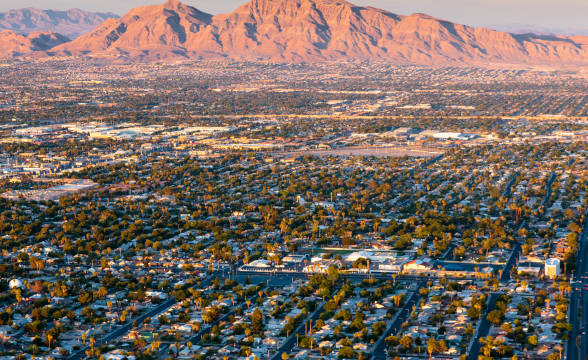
{"points": [[314, 31], [71, 23], [35, 44]]}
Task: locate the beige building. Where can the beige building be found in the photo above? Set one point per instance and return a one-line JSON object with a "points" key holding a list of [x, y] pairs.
{"points": [[552, 268]]}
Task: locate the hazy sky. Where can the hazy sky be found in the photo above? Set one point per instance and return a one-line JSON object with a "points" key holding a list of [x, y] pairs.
{"points": [[541, 14]]}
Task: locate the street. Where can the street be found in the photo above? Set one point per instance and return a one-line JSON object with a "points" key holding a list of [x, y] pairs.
{"points": [[579, 303], [291, 340], [125, 328], [379, 352]]}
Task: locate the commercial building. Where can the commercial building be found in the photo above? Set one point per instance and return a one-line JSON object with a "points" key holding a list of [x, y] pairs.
{"points": [[552, 268]]}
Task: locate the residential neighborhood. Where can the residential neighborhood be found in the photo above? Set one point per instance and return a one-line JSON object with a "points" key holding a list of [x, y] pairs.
{"points": [[251, 212]]}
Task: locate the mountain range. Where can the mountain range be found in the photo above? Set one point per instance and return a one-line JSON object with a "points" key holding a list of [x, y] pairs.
{"points": [[16, 45], [71, 23], [538, 29], [314, 31]]}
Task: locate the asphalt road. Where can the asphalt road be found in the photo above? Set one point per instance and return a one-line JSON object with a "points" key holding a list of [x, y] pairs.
{"points": [[379, 352], [286, 277], [483, 328], [291, 341], [508, 189], [579, 302], [125, 328], [548, 189], [505, 276]]}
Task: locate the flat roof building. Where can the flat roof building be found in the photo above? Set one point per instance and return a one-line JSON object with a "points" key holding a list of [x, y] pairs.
{"points": [[552, 268]]}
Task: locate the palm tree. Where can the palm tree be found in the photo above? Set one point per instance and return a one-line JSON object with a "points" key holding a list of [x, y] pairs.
{"points": [[49, 340], [396, 299], [155, 344]]}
